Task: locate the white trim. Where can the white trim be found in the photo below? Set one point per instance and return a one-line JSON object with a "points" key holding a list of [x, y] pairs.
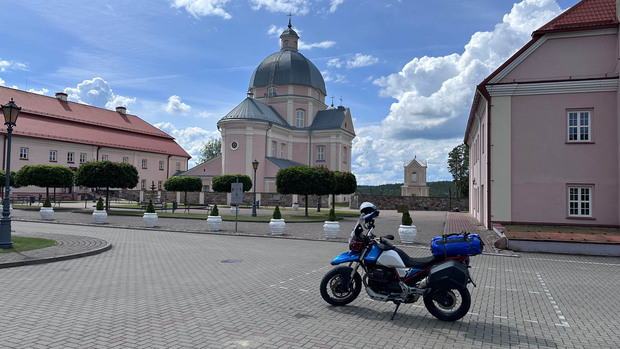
{"points": [[544, 88], [502, 74]]}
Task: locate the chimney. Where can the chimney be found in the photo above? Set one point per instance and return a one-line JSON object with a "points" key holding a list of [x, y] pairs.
{"points": [[121, 110], [62, 96]]}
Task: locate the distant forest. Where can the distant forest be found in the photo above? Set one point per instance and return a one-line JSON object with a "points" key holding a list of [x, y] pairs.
{"points": [[436, 189]]}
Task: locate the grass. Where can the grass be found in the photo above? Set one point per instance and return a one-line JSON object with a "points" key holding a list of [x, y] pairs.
{"points": [[563, 229], [21, 244]]}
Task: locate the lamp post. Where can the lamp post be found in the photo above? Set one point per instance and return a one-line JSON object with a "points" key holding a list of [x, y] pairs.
{"points": [[255, 166], [11, 111]]}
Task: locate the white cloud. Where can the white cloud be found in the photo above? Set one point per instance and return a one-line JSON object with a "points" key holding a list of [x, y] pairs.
{"points": [[2, 82], [200, 8], [322, 44], [329, 77], [298, 7], [11, 65], [334, 62], [175, 106], [334, 5], [42, 91], [191, 139], [434, 93], [97, 92], [361, 60]]}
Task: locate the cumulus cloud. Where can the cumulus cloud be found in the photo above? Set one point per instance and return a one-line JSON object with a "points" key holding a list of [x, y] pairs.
{"points": [[334, 5], [12, 65], [360, 60], [334, 62], [97, 92], [434, 93], [175, 106], [42, 91], [330, 77], [191, 139], [201, 8], [275, 32], [298, 7]]}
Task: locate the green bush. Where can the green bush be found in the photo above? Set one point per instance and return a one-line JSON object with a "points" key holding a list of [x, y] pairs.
{"points": [[99, 204], [47, 202], [150, 208], [214, 211], [276, 213], [406, 220], [332, 215]]}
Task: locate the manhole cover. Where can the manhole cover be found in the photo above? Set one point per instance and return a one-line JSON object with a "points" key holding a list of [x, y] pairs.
{"points": [[229, 261]]}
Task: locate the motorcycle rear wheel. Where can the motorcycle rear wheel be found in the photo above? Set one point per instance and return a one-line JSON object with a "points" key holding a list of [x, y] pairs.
{"points": [[334, 292], [448, 305]]}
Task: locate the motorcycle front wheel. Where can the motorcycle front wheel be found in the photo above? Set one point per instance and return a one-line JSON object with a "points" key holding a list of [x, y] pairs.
{"points": [[335, 292], [448, 305]]}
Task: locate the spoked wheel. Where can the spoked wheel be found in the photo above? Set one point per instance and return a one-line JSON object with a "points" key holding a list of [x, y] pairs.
{"points": [[448, 305], [335, 292]]}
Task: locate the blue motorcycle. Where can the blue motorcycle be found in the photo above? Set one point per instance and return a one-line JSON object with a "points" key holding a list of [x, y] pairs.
{"points": [[390, 275]]}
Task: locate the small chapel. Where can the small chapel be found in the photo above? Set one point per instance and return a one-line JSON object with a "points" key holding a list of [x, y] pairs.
{"points": [[282, 122], [415, 179]]}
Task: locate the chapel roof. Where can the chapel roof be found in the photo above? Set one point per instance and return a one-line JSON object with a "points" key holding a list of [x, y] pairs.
{"points": [[586, 14], [51, 118], [328, 119], [252, 109], [282, 163]]}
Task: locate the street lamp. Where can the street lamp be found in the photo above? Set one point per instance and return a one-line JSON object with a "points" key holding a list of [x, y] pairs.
{"points": [[255, 166], [11, 111]]}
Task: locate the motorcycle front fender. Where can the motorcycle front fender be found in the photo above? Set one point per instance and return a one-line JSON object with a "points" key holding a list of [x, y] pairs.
{"points": [[346, 257]]}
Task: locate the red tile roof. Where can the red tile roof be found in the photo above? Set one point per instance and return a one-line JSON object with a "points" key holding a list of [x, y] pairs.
{"points": [[50, 118], [586, 14]]}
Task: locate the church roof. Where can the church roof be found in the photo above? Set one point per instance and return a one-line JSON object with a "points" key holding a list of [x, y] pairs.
{"points": [[50, 118], [287, 67], [328, 119], [283, 163], [586, 14], [254, 110]]}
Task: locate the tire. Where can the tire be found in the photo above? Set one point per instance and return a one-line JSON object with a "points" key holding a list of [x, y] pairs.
{"points": [[333, 291], [448, 305]]}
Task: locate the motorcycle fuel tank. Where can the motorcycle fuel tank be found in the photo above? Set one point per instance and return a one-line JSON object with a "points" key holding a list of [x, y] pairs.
{"points": [[391, 259]]}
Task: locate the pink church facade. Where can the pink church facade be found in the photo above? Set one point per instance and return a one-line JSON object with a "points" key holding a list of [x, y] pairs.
{"points": [[283, 122], [544, 127]]}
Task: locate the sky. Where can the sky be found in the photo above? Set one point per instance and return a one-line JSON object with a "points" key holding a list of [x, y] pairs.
{"points": [[407, 69]]}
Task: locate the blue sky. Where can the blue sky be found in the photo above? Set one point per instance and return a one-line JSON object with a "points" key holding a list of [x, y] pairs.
{"points": [[407, 69]]}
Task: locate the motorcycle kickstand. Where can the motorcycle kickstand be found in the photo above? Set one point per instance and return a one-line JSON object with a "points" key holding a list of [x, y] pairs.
{"points": [[395, 310]]}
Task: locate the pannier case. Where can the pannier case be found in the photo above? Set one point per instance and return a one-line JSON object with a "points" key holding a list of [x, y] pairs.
{"points": [[448, 275], [456, 245]]}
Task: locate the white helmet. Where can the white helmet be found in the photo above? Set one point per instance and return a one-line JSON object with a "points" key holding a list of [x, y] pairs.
{"points": [[367, 207]]}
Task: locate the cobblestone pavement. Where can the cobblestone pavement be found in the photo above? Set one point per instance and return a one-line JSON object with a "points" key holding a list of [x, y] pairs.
{"points": [[163, 289]]}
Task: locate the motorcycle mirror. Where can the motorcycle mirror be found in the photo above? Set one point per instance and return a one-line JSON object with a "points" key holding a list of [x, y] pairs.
{"points": [[389, 237]]}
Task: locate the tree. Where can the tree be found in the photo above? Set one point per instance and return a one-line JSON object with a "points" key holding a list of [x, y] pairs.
{"points": [[346, 183], [183, 184], [458, 165], [222, 183], [106, 174], [305, 180], [12, 181], [45, 176], [210, 150]]}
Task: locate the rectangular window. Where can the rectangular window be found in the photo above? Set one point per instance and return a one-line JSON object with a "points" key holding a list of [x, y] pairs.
{"points": [[299, 118], [143, 163], [53, 155], [161, 165], [282, 148], [580, 201], [205, 188], [344, 155], [82, 158], [125, 160], [178, 166], [320, 153], [104, 158], [143, 184], [273, 149], [579, 126], [23, 153], [159, 183], [70, 156]]}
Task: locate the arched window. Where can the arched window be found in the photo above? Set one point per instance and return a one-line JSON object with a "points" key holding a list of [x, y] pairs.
{"points": [[299, 119], [414, 177], [272, 92]]}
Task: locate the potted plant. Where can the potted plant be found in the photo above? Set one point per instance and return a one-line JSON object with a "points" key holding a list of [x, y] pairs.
{"points": [[150, 217], [100, 214], [331, 226], [295, 206], [47, 212], [277, 222], [214, 221], [407, 231]]}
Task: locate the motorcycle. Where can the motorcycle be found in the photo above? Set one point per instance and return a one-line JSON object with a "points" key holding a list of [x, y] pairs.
{"points": [[390, 275]]}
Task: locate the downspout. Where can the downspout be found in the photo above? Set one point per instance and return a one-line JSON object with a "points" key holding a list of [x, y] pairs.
{"points": [[97, 156], [310, 148], [168, 170]]}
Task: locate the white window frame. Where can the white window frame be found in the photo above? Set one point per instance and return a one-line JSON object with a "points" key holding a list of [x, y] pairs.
{"points": [[161, 165], [579, 126], [23, 153], [282, 148], [580, 200], [125, 159], [274, 145], [104, 157], [83, 157], [272, 92], [53, 155], [144, 163], [143, 184], [320, 153], [300, 116], [159, 185], [70, 157]]}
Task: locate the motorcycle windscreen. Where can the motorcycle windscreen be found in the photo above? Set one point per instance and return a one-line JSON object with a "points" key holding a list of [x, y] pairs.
{"points": [[372, 255], [348, 256]]}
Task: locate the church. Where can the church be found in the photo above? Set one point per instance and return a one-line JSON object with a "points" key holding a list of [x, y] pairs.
{"points": [[283, 122]]}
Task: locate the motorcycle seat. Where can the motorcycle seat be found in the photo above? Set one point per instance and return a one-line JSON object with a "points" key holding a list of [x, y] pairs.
{"points": [[418, 263]]}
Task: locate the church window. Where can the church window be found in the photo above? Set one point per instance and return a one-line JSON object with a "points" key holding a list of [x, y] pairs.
{"points": [[285, 43], [282, 148], [161, 164], [320, 153], [272, 92], [344, 155], [300, 116], [144, 163], [274, 145], [414, 177]]}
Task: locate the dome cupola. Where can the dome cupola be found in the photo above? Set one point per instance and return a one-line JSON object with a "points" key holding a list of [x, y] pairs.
{"points": [[289, 38]]}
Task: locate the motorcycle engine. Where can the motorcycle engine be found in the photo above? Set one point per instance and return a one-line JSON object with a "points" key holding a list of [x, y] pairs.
{"points": [[384, 281]]}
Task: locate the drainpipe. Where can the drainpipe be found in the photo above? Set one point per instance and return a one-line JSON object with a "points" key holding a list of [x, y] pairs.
{"points": [[310, 148], [97, 156]]}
